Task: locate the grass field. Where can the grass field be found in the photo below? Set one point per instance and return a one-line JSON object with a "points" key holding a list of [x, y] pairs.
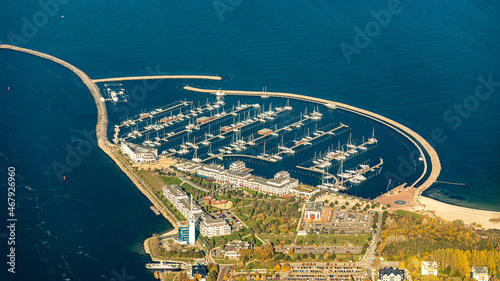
{"points": [[170, 180], [404, 213]]}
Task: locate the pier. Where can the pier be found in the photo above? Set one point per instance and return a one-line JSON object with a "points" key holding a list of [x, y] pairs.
{"points": [[316, 137], [413, 137], [345, 152], [159, 77], [362, 171]]}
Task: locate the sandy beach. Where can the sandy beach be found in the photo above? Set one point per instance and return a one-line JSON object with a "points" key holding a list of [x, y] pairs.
{"points": [[452, 212]]}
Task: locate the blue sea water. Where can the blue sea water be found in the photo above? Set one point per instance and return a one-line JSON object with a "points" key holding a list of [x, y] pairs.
{"points": [[425, 61]]}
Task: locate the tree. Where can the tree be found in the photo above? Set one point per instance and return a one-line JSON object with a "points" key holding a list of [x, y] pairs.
{"points": [[285, 267], [277, 267]]}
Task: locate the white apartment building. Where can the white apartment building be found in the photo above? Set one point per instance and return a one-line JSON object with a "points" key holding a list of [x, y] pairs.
{"points": [[140, 154], [210, 227]]}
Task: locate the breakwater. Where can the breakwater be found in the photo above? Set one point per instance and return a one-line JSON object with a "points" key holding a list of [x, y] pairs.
{"points": [[101, 129], [117, 79], [415, 138]]}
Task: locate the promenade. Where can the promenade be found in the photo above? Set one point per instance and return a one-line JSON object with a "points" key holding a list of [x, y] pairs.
{"points": [[415, 138]]}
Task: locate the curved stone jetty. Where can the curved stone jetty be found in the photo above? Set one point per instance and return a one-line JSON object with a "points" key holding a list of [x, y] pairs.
{"points": [[117, 79], [403, 130], [106, 146]]}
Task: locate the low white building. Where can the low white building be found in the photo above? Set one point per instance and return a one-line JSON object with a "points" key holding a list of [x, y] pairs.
{"points": [[233, 248], [304, 191], [188, 167], [480, 273], [429, 268], [237, 166], [140, 154], [313, 210]]}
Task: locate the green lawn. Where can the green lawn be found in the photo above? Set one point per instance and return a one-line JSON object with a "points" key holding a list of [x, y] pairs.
{"points": [[404, 213], [171, 180]]}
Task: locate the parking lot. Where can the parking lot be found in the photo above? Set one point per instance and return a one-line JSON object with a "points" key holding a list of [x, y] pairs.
{"points": [[234, 222], [341, 220]]}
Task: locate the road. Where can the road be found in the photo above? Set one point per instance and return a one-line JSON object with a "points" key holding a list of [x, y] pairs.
{"points": [[222, 270], [369, 257]]}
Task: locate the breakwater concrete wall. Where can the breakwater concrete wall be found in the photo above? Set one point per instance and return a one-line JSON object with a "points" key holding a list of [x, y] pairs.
{"points": [[416, 139]]}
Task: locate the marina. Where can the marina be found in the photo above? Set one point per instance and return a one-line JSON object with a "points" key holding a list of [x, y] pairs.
{"points": [[264, 132]]}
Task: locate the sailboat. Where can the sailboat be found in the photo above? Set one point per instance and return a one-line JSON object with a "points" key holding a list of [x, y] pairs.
{"points": [[205, 142], [341, 173], [373, 139], [287, 106], [264, 96], [349, 142], [281, 145], [363, 147], [209, 134], [210, 150], [195, 156]]}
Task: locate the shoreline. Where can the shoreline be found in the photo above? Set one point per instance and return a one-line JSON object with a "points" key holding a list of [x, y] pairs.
{"points": [[453, 212], [441, 209]]}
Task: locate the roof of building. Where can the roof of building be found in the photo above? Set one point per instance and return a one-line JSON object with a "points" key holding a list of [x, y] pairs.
{"points": [[175, 190], [274, 183], [183, 224], [265, 131], [213, 168], [480, 269], [237, 245], [429, 265], [137, 148], [282, 174], [239, 162], [207, 219], [389, 270], [314, 206], [187, 205], [305, 189], [239, 174]]}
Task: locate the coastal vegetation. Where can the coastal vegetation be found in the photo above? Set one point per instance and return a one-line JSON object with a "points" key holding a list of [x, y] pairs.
{"points": [[410, 238]]}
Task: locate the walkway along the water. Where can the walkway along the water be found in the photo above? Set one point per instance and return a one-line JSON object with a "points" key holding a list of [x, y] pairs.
{"points": [[403, 130]]}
